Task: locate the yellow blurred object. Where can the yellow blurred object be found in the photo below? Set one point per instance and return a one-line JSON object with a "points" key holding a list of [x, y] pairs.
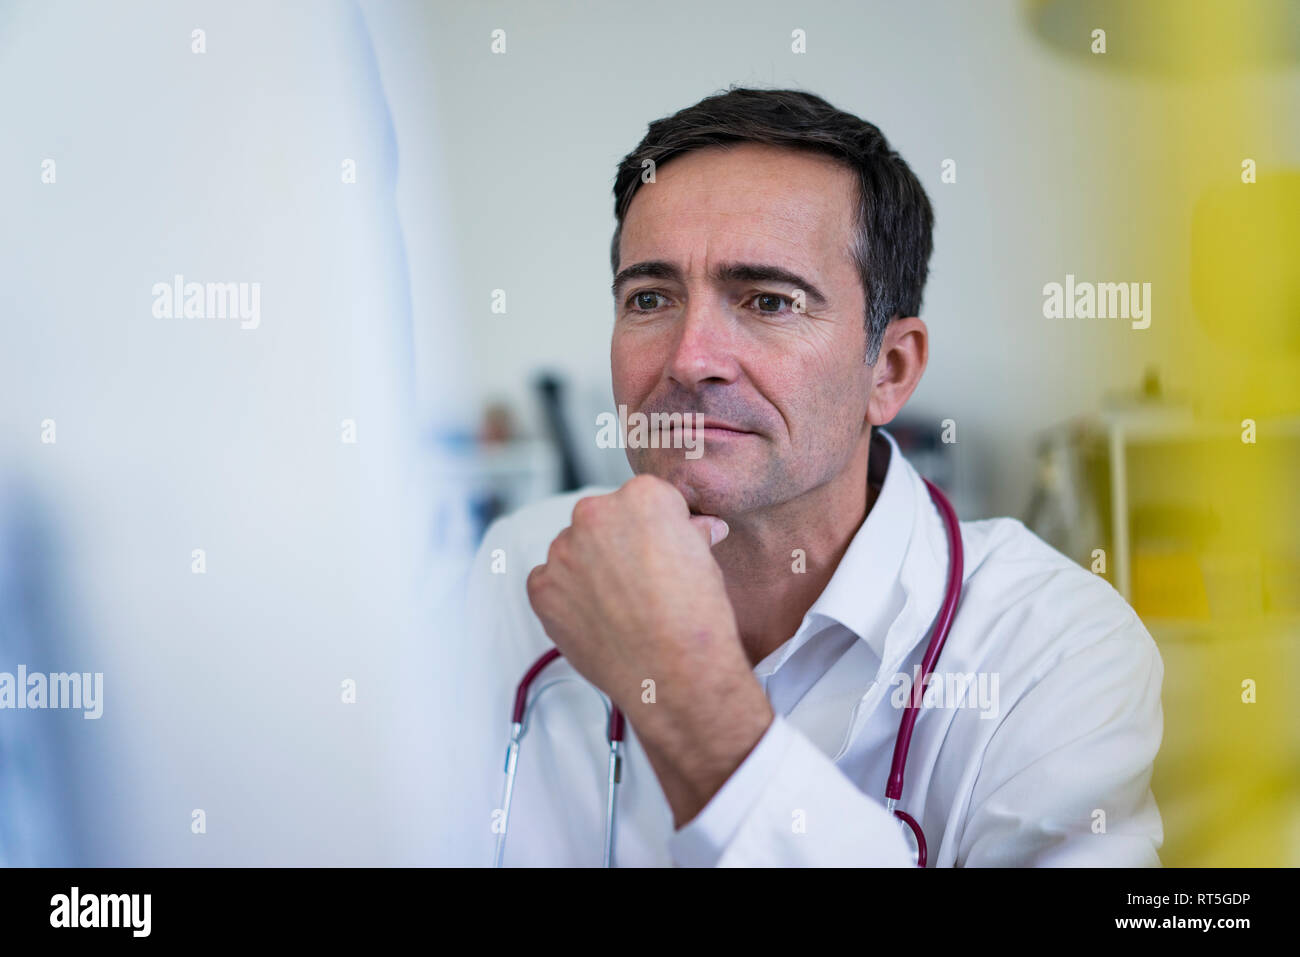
{"points": [[1185, 585], [1234, 584], [1220, 240], [1245, 284], [1169, 584]]}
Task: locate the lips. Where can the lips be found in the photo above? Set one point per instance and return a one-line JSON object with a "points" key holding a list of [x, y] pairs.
{"points": [[710, 429], [715, 425]]}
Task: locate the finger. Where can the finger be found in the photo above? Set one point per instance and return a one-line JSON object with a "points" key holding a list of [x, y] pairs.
{"points": [[532, 582], [712, 528]]}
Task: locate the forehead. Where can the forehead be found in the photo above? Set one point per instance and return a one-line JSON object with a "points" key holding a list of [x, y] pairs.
{"points": [[745, 202]]}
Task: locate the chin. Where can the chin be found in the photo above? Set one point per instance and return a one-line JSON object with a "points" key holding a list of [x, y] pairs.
{"points": [[708, 487]]}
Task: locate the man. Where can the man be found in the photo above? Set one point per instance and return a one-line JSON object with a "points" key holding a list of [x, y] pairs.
{"points": [[757, 611]]}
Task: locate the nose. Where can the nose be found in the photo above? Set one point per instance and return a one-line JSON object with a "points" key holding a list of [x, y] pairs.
{"points": [[703, 351]]}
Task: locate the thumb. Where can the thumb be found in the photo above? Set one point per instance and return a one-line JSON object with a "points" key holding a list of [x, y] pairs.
{"points": [[714, 529]]}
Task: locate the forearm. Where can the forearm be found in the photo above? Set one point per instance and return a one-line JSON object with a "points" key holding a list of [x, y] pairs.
{"points": [[694, 745]]}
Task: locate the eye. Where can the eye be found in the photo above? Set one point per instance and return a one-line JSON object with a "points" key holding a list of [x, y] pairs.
{"points": [[771, 302], [644, 301]]}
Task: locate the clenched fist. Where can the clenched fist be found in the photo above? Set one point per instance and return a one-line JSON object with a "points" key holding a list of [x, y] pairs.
{"points": [[630, 591]]}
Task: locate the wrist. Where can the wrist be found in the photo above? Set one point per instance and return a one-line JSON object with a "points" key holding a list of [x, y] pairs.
{"points": [[696, 746]]}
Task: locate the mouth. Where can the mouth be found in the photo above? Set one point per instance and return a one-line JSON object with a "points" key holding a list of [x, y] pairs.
{"points": [[713, 429], [714, 425]]}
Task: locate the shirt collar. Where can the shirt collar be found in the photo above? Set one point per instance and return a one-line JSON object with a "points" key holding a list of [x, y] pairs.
{"points": [[865, 587]]}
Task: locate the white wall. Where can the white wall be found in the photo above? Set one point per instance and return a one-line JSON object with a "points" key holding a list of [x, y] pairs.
{"points": [[1044, 185]]}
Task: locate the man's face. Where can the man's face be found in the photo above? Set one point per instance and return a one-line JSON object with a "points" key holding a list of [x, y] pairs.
{"points": [[783, 392]]}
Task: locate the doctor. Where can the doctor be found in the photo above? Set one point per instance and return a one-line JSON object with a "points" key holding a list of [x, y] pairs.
{"points": [[758, 612]]}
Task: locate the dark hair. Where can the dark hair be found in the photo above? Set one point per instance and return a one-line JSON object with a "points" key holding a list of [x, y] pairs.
{"points": [[894, 219]]}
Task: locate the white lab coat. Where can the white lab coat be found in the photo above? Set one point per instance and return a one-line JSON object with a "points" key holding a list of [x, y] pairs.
{"points": [[1056, 774]]}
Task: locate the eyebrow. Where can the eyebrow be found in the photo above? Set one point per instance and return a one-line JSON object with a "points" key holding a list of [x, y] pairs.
{"points": [[723, 273]]}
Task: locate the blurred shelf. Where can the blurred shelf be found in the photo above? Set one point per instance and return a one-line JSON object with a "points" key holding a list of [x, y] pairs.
{"points": [[1120, 428], [1140, 424]]}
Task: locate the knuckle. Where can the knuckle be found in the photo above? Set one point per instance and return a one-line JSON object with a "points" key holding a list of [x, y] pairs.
{"points": [[585, 509], [536, 578], [560, 546]]}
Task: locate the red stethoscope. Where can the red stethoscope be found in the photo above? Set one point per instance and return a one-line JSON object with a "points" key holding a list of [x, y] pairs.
{"points": [[893, 789]]}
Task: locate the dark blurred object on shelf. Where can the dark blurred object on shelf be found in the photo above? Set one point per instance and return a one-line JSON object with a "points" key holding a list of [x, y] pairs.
{"points": [[550, 389]]}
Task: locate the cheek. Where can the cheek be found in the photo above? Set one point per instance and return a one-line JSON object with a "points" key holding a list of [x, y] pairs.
{"points": [[822, 400], [633, 368]]}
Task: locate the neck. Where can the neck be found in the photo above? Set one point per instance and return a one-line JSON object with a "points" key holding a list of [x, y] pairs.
{"points": [[771, 587]]}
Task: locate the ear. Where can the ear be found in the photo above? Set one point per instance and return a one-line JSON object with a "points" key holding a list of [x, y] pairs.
{"points": [[898, 368]]}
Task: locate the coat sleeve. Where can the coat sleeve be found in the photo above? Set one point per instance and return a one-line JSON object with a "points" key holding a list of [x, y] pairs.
{"points": [[1065, 779], [788, 805]]}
